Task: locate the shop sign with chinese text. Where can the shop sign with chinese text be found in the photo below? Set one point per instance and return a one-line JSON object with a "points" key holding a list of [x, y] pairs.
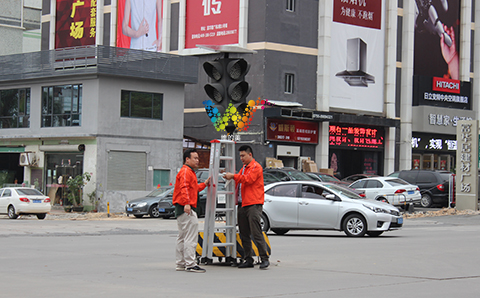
{"points": [[292, 131], [356, 136], [76, 23], [467, 165]]}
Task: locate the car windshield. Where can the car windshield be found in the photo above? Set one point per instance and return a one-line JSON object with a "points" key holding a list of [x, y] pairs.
{"points": [[328, 178], [297, 175], [396, 182], [160, 191], [343, 191], [28, 192]]}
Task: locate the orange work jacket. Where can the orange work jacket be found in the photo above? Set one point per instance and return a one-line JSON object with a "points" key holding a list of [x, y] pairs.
{"points": [[252, 184], [186, 187]]}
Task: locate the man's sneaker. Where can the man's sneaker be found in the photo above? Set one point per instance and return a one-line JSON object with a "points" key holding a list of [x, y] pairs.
{"points": [[264, 264], [195, 269], [246, 264], [180, 268]]}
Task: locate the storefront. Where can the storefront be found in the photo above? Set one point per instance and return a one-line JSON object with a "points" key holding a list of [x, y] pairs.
{"points": [[355, 149]]}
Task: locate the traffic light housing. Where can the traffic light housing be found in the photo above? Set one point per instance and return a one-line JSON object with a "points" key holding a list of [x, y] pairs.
{"points": [[228, 91]]}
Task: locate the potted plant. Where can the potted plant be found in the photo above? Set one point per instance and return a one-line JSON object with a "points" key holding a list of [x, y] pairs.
{"points": [[75, 187]]}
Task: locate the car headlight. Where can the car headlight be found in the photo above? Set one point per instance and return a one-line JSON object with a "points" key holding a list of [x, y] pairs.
{"points": [[142, 204], [375, 209]]}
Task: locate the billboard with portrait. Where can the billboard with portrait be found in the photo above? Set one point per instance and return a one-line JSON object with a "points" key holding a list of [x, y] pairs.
{"points": [[139, 24], [437, 31], [76, 23], [357, 55]]}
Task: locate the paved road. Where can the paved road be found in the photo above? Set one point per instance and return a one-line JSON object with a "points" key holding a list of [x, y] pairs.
{"points": [[429, 257]]}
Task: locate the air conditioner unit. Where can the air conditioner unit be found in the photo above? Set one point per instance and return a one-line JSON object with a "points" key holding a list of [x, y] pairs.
{"points": [[27, 159]]}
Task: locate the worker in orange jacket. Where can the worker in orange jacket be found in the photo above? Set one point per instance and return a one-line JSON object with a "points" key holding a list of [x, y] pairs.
{"points": [[185, 196], [249, 181]]}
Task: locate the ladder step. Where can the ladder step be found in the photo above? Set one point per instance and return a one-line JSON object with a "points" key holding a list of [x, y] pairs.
{"points": [[224, 227], [226, 158], [225, 192], [223, 244], [224, 209]]}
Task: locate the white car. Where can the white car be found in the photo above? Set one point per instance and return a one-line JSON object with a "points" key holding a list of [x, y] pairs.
{"points": [[15, 201], [395, 191], [312, 205]]}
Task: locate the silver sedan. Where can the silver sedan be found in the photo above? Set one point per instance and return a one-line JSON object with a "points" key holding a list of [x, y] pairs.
{"points": [[310, 205]]}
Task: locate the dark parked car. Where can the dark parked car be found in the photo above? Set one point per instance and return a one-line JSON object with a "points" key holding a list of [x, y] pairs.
{"points": [[148, 205], [288, 174], [434, 185]]}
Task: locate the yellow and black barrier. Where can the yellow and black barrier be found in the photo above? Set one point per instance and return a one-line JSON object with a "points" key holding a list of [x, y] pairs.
{"points": [[220, 251]]}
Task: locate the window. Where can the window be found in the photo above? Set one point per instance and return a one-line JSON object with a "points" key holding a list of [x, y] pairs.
{"points": [[289, 83], [374, 184], [61, 105], [291, 5], [14, 108], [288, 190], [142, 105]]}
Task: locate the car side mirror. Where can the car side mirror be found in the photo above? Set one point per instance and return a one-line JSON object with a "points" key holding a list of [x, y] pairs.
{"points": [[332, 197], [285, 179]]}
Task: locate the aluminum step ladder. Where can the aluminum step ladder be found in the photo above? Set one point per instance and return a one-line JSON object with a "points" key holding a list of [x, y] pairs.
{"points": [[221, 154]]}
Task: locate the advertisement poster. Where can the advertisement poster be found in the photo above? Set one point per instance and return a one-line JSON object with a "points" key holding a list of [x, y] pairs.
{"points": [[437, 31], [76, 23], [357, 59], [211, 22], [140, 25]]}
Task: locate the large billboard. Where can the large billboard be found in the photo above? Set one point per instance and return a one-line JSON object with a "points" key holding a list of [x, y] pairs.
{"points": [[76, 23], [357, 59], [437, 32], [139, 24]]}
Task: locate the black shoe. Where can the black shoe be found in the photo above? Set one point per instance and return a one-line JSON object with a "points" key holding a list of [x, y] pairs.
{"points": [[246, 264], [264, 264]]}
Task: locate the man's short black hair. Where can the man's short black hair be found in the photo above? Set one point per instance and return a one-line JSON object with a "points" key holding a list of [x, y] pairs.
{"points": [[245, 148], [187, 153]]}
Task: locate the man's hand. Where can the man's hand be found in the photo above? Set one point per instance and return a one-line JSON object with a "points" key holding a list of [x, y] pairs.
{"points": [[187, 209], [228, 176], [207, 182]]}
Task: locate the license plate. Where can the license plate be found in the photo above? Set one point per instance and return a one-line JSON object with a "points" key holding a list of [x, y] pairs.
{"points": [[400, 220], [37, 201], [161, 209], [129, 209], [411, 192]]}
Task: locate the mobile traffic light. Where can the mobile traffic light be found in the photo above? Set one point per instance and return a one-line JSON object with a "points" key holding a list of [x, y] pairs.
{"points": [[228, 91]]}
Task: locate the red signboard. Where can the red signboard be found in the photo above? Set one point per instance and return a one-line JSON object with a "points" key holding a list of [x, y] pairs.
{"points": [[446, 85], [76, 23], [211, 22], [361, 13], [356, 136], [292, 131]]}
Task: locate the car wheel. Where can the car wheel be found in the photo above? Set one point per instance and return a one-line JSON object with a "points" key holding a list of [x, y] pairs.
{"points": [[154, 211], [280, 231], [374, 233], [264, 223], [355, 225], [138, 215], [41, 216], [11, 212], [426, 201]]}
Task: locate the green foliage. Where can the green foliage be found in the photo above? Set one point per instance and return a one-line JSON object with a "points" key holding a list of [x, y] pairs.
{"points": [[75, 186]]}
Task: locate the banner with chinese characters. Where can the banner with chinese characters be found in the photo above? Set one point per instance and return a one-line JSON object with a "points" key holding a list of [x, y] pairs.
{"points": [[292, 131], [76, 23], [466, 188], [211, 22], [359, 136], [422, 142]]}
